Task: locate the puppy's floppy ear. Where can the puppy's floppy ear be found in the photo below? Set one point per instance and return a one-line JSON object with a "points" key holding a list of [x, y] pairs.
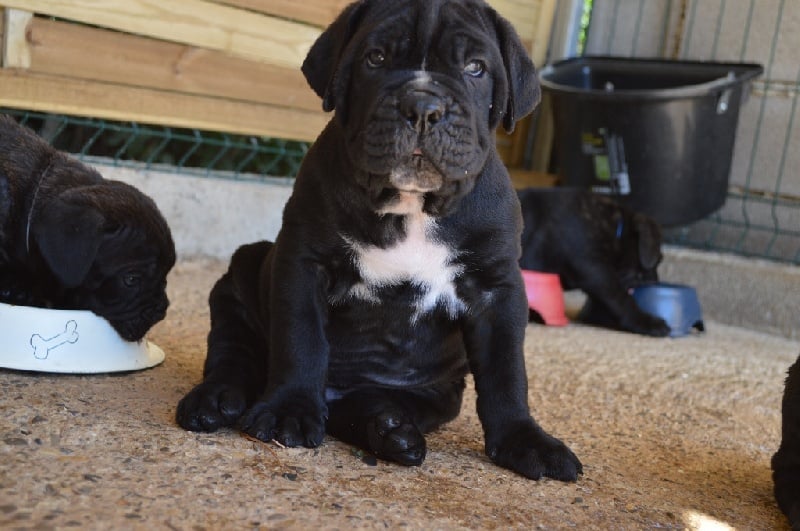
{"points": [[649, 240], [323, 67], [519, 93], [68, 234]]}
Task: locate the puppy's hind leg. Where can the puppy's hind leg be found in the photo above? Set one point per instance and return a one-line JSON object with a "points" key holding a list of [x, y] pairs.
{"points": [[390, 423], [235, 371], [786, 461]]}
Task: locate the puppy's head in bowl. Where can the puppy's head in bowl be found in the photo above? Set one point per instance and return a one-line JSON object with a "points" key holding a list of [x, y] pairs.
{"points": [[111, 251], [72, 240], [638, 244], [429, 95]]}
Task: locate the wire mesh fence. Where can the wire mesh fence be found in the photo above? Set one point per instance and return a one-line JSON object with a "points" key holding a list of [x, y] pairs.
{"points": [[761, 216], [168, 149]]}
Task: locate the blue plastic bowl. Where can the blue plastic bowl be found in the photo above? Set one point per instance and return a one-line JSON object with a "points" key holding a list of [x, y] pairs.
{"points": [[677, 304]]}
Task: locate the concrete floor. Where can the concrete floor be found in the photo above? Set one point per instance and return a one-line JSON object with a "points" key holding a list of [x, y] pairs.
{"points": [[673, 433]]}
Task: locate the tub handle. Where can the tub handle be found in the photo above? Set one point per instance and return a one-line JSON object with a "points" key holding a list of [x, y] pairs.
{"points": [[724, 98]]}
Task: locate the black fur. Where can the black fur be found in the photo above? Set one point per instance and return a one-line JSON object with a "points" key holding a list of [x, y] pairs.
{"points": [[786, 461], [70, 239], [595, 245], [310, 335]]}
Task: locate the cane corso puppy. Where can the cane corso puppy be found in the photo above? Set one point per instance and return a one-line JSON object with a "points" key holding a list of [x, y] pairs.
{"points": [[395, 271], [786, 461], [595, 245], [70, 239]]}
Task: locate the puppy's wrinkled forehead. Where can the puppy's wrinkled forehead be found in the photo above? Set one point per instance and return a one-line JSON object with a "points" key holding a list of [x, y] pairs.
{"points": [[416, 32]]}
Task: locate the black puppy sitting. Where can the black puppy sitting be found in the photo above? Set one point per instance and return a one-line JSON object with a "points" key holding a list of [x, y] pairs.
{"points": [[70, 239], [395, 272], [786, 461], [595, 245]]}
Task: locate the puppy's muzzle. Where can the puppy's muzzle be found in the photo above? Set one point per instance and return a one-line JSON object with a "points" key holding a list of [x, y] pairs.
{"points": [[422, 109], [419, 177]]}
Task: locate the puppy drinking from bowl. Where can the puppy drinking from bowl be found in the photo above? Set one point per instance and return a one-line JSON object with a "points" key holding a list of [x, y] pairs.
{"points": [[70, 239], [595, 245]]}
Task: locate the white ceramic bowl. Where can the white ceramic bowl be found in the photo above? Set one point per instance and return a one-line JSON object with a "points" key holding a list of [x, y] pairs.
{"points": [[68, 341]]}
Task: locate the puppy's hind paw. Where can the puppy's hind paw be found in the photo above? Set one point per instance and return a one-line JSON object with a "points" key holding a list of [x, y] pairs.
{"points": [[528, 450], [393, 437], [210, 406], [650, 325], [663, 330]]}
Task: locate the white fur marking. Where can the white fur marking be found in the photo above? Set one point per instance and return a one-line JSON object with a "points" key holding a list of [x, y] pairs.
{"points": [[407, 203], [418, 259], [363, 292]]}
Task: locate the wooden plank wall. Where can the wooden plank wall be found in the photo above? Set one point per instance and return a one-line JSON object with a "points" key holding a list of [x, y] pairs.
{"points": [[221, 65]]}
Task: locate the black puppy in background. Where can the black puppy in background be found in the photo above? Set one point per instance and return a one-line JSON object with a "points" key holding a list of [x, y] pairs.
{"points": [[597, 246], [786, 461], [70, 239]]}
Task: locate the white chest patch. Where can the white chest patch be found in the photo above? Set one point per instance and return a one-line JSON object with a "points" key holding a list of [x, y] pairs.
{"points": [[418, 259]]}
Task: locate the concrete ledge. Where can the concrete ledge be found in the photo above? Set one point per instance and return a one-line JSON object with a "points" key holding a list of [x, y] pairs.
{"points": [[213, 216], [210, 216], [755, 294]]}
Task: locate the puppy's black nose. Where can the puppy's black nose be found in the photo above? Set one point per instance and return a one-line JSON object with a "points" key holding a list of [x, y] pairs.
{"points": [[422, 109]]}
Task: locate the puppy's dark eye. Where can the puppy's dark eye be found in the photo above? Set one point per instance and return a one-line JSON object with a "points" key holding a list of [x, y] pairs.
{"points": [[132, 280], [475, 68], [375, 59]]}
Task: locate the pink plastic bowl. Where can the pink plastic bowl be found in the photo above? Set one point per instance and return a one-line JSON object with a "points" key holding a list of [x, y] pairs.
{"points": [[545, 296]]}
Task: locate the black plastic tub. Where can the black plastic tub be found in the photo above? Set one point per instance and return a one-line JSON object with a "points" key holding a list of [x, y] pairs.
{"points": [[656, 134]]}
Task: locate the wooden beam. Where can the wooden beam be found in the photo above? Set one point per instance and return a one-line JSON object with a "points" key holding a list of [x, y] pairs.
{"points": [[526, 179], [16, 52], [62, 48], [2, 34], [317, 12], [240, 30], [60, 95], [522, 13], [542, 30], [195, 22]]}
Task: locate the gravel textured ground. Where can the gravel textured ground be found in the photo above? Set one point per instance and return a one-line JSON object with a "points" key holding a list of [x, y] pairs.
{"points": [[673, 433]]}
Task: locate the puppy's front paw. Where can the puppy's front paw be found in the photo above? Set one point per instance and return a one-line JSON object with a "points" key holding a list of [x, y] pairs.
{"points": [[786, 478], [526, 449], [210, 406], [394, 437], [291, 419], [646, 324]]}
